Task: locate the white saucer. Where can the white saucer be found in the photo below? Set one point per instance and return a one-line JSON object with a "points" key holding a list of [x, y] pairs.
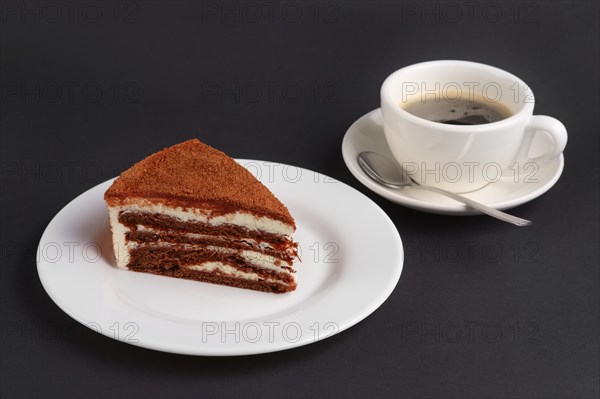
{"points": [[366, 134]]}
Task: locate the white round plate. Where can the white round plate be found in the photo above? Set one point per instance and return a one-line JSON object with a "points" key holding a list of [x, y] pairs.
{"points": [[351, 253], [366, 134]]}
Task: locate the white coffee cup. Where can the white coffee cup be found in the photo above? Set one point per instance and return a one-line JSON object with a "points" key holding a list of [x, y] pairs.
{"points": [[464, 158]]}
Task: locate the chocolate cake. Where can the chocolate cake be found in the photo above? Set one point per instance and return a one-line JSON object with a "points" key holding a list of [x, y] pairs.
{"points": [[190, 211]]}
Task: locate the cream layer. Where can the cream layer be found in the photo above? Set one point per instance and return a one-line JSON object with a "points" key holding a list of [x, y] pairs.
{"points": [[241, 219], [250, 241], [254, 258], [232, 271]]}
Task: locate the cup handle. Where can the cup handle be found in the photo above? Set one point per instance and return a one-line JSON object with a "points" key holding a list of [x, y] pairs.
{"points": [[547, 124]]}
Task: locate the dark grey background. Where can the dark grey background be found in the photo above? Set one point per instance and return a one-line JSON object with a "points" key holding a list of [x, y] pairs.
{"points": [[90, 88]]}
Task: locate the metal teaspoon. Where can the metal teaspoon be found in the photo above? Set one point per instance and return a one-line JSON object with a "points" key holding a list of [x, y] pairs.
{"points": [[392, 175]]}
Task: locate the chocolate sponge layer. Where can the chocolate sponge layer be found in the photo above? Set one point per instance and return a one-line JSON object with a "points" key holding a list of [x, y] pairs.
{"points": [[154, 257], [211, 277], [174, 262], [131, 219]]}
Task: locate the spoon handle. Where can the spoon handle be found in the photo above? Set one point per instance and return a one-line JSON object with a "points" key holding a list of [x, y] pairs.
{"points": [[480, 207]]}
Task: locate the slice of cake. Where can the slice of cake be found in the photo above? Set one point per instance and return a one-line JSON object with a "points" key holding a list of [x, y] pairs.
{"points": [[190, 211]]}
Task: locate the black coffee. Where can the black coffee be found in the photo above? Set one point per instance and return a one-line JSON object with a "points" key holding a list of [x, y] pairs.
{"points": [[458, 112]]}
